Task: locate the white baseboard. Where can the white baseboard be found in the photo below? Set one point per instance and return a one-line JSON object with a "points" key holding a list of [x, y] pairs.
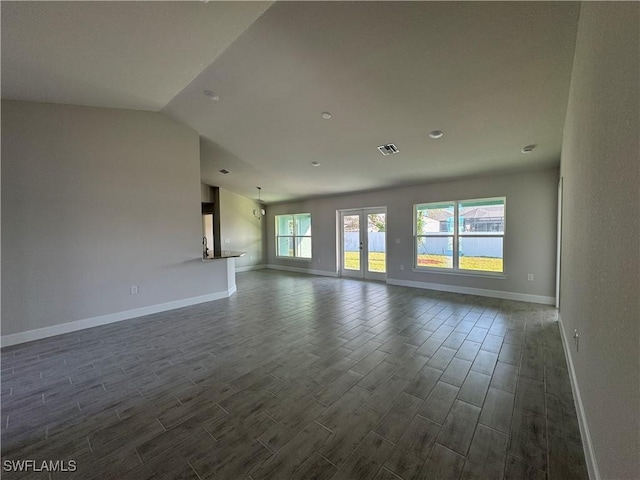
{"points": [[587, 444], [303, 270], [481, 292], [39, 333], [249, 268]]}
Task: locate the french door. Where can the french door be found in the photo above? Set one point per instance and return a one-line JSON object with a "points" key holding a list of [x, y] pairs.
{"points": [[363, 243]]}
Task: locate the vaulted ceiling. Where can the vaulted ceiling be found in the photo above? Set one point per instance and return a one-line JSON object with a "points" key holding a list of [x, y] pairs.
{"points": [[493, 76]]}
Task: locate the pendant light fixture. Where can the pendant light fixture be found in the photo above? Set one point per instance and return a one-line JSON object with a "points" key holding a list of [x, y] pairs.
{"points": [[261, 213]]}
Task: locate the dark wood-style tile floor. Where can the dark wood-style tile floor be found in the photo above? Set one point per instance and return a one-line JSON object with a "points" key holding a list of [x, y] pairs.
{"points": [[301, 377]]}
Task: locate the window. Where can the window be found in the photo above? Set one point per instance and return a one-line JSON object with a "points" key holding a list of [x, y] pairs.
{"points": [[293, 235], [460, 235]]}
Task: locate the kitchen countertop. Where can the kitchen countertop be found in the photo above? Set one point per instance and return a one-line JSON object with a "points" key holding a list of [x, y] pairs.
{"points": [[223, 254]]}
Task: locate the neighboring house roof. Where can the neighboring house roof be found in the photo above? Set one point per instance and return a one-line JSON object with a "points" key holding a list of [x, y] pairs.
{"points": [[483, 212], [439, 214]]}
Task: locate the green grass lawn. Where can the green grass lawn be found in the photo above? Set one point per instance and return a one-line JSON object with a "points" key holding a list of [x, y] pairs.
{"points": [[377, 262], [484, 264]]}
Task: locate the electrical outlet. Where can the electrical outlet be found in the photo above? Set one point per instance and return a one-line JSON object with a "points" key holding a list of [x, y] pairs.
{"points": [[398, 241], [227, 240], [401, 267], [530, 277], [134, 289]]}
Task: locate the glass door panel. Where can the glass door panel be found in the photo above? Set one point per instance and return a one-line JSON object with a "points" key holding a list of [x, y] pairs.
{"points": [[376, 243], [351, 245]]}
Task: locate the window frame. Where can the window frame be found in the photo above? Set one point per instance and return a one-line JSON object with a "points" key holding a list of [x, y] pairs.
{"points": [[294, 237], [456, 236]]}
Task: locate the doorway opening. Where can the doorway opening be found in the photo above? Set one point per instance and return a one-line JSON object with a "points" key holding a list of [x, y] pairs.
{"points": [[211, 244]]}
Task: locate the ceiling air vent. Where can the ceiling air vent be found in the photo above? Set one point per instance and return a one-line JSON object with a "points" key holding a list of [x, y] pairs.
{"points": [[224, 170], [388, 149]]}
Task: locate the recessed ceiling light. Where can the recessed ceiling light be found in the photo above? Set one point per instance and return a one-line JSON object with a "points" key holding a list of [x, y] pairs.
{"points": [[326, 115], [315, 164], [212, 95], [528, 148], [436, 133]]}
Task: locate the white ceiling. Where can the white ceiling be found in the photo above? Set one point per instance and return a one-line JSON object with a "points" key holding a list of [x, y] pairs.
{"points": [[494, 76], [114, 54]]}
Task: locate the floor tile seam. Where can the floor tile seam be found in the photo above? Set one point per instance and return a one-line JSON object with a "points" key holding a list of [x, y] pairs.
{"points": [[466, 457], [451, 384], [324, 426], [384, 467], [206, 429], [523, 460], [356, 448], [510, 439], [273, 453], [502, 389], [413, 396], [431, 449], [508, 435], [364, 405], [140, 457], [430, 420]]}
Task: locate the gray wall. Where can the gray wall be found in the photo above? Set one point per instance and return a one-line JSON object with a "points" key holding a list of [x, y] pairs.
{"points": [[530, 240], [600, 288], [242, 230], [95, 200]]}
